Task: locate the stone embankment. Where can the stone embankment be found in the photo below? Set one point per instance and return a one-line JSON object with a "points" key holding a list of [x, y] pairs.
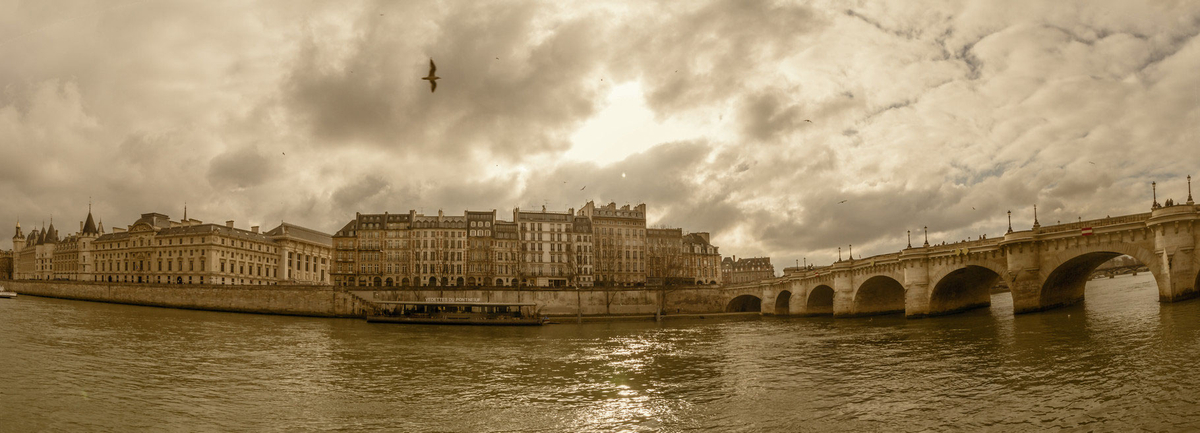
{"points": [[325, 301]]}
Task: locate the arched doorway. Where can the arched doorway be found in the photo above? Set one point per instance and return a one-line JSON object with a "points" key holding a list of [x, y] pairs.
{"points": [[499, 282], [459, 282], [433, 281], [820, 300], [445, 281], [744, 304], [879, 295], [404, 281], [963, 289], [388, 282], [783, 303], [178, 280], [471, 281], [378, 282]]}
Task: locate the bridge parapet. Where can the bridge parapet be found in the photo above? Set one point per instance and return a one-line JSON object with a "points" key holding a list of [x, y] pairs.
{"points": [[1095, 223]]}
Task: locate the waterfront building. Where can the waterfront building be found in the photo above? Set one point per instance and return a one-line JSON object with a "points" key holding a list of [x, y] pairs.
{"points": [[6, 265], [508, 253], [745, 270], [305, 254], [620, 243], [595, 246], [401, 250], [155, 249], [481, 261], [664, 257], [673, 257], [582, 233], [547, 258], [702, 261]]}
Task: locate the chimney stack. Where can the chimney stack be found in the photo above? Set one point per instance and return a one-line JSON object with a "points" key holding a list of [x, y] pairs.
{"points": [[254, 229], [229, 223]]}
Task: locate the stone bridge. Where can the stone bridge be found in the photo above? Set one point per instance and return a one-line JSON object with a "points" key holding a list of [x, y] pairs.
{"points": [[1045, 267]]}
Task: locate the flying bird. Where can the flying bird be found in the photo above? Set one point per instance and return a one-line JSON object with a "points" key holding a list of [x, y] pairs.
{"points": [[840, 202], [1092, 163], [432, 77], [806, 120], [581, 189]]}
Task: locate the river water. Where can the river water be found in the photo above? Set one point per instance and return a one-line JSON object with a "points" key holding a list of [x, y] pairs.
{"points": [[1118, 362]]}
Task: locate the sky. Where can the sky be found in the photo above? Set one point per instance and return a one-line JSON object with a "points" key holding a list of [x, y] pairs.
{"points": [[785, 129]]}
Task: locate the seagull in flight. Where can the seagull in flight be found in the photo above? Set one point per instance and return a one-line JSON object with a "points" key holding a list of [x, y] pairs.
{"points": [[584, 187], [840, 202], [432, 77], [806, 120]]}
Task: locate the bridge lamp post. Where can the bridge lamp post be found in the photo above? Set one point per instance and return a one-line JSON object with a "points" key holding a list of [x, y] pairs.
{"points": [[1190, 202], [1154, 191], [909, 238], [839, 254], [1010, 221], [851, 251], [926, 236]]}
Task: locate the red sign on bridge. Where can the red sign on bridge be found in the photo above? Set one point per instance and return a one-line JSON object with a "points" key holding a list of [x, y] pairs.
{"points": [[1086, 231]]}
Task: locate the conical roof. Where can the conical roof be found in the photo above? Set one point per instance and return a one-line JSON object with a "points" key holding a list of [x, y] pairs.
{"points": [[89, 226], [19, 235], [51, 234]]}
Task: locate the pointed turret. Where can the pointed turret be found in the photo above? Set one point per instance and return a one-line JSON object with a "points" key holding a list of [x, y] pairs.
{"points": [[51, 234], [89, 226], [100, 226], [19, 235]]}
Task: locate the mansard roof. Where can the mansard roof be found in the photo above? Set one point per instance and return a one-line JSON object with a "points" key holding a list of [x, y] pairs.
{"points": [[349, 228], [302, 233]]}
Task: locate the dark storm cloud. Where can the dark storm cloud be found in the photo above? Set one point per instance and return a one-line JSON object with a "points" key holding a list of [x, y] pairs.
{"points": [[508, 87], [240, 168]]}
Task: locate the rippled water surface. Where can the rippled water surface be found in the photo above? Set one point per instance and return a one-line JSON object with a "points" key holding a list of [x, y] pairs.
{"points": [[1118, 362]]}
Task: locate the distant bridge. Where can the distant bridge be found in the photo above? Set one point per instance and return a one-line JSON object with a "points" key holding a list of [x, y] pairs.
{"points": [[1045, 268]]}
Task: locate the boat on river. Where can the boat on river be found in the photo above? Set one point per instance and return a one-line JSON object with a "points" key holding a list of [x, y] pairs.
{"points": [[4, 294], [457, 313]]}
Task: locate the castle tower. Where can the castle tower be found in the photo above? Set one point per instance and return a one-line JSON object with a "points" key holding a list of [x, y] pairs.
{"points": [[18, 239]]}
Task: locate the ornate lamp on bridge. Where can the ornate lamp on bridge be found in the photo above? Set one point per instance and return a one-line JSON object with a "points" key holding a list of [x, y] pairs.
{"points": [[1010, 221], [1190, 202], [909, 238], [926, 236], [1035, 221], [839, 254], [1154, 191]]}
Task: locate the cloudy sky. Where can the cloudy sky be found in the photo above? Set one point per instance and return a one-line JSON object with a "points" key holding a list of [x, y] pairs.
{"points": [[752, 120]]}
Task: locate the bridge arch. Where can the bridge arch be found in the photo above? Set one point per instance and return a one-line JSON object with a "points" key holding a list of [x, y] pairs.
{"points": [[783, 303], [820, 300], [963, 289], [744, 304], [880, 294], [1071, 269]]}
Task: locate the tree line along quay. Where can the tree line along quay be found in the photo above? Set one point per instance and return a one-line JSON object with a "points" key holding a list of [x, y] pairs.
{"points": [[598, 261]]}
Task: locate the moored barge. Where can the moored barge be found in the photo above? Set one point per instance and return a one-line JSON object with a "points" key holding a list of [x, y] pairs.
{"points": [[457, 313]]}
